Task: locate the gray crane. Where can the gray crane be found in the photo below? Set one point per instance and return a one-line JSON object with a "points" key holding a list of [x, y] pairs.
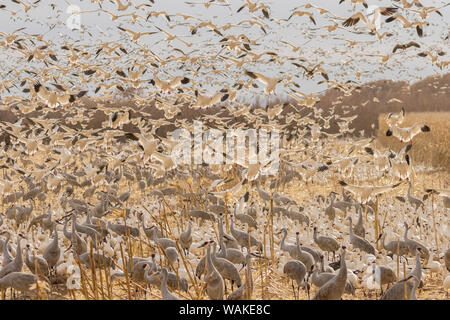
{"points": [[45, 220], [359, 229], [327, 244], [163, 242], [230, 242], [173, 282], [324, 268], [202, 215], [319, 278], [397, 291], [244, 292], [296, 271], [358, 242], [243, 238], [76, 242], [383, 275], [289, 248], [172, 254], [17, 264], [414, 202], [42, 266], [226, 269], [214, 281], [123, 230], [100, 261], [235, 256], [413, 245], [305, 257], [18, 281], [7, 258], [52, 252], [166, 294], [186, 239], [399, 247], [330, 212], [335, 287], [417, 271]]}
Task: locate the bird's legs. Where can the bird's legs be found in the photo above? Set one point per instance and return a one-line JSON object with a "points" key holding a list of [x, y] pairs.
{"points": [[293, 288]]}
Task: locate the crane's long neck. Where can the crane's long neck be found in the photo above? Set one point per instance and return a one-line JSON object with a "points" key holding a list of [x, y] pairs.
{"points": [[209, 265], [315, 235], [27, 257], [55, 239], [409, 190], [223, 248], [383, 241], [342, 275], [220, 227], [164, 289], [189, 229], [351, 227], [406, 233], [282, 244], [65, 232], [418, 268], [297, 243], [18, 257], [360, 215]]}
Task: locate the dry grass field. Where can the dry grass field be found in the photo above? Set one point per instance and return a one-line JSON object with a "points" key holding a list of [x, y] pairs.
{"points": [[269, 281]]}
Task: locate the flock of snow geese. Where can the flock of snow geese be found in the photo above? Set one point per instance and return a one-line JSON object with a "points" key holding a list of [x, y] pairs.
{"points": [[105, 212]]}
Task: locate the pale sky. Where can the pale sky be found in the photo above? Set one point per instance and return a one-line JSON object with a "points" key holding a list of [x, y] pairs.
{"points": [[339, 60]]}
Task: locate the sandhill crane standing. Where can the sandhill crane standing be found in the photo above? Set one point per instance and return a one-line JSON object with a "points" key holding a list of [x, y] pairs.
{"points": [[243, 238], [397, 291], [319, 278], [417, 203], [397, 247], [244, 292], [233, 255], [335, 287], [226, 269], [296, 271], [289, 248], [213, 279], [78, 244], [186, 239], [413, 245], [230, 241], [166, 294], [383, 275], [305, 257], [40, 268], [52, 252], [417, 271], [17, 264], [326, 243], [360, 243], [6, 256], [330, 212], [18, 281], [123, 230]]}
